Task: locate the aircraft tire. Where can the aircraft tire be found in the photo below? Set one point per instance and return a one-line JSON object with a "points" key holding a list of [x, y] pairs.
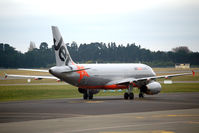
{"points": [[90, 96], [85, 96], [141, 95], [126, 96], [131, 96]]}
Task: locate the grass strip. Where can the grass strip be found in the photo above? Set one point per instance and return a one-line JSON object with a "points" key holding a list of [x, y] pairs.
{"points": [[36, 92]]}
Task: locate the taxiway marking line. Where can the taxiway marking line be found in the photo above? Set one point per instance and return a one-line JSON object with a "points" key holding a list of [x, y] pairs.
{"points": [[141, 131], [124, 126]]}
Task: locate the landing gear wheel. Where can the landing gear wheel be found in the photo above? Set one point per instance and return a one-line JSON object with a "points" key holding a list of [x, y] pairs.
{"points": [[126, 96], [131, 96], [85, 96], [141, 95], [90, 96]]}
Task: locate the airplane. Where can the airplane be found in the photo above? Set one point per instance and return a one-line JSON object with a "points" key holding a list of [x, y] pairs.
{"points": [[91, 78]]}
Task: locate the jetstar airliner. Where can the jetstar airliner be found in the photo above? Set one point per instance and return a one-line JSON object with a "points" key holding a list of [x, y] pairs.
{"points": [[91, 78]]}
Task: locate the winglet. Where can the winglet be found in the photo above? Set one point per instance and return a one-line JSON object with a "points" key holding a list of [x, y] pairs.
{"points": [[193, 73]]}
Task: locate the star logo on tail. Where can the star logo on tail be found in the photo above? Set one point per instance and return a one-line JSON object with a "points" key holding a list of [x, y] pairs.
{"points": [[82, 73]]}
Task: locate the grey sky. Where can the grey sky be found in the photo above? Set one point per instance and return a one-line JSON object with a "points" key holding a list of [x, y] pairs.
{"points": [[153, 24]]}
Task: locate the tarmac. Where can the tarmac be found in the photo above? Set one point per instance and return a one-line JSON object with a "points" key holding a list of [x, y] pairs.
{"points": [[163, 113]]}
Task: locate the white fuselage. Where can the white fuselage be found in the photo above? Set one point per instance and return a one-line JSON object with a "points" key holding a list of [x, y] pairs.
{"points": [[100, 76]]}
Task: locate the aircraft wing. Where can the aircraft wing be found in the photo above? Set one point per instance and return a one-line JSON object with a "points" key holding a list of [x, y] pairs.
{"points": [[39, 77], [30, 76], [168, 76], [35, 70], [146, 80]]}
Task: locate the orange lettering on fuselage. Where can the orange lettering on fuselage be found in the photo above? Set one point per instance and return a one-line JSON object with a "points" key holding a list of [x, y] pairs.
{"points": [[139, 68]]}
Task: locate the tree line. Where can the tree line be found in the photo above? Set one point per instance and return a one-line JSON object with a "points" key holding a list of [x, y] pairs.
{"points": [[95, 53]]}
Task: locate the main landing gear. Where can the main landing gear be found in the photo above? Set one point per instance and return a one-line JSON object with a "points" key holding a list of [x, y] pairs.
{"points": [[129, 94], [87, 95]]}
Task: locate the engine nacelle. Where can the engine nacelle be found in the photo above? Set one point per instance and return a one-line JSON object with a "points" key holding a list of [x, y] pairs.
{"points": [[93, 91], [152, 88]]}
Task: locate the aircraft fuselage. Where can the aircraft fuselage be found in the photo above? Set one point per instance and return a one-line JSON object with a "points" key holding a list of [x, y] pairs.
{"points": [[101, 76]]}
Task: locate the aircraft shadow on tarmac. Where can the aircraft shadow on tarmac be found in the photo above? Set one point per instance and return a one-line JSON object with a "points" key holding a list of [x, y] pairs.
{"points": [[173, 97], [107, 99]]}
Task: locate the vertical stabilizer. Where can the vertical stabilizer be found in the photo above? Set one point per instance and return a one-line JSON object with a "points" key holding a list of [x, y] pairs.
{"points": [[62, 55]]}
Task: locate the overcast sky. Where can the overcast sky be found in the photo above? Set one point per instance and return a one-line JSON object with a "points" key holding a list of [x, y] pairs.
{"points": [[153, 24]]}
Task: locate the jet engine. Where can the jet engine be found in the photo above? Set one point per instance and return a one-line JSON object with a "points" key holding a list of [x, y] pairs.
{"points": [[151, 88], [93, 91]]}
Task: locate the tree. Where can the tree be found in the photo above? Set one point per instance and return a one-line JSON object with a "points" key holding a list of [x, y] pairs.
{"points": [[181, 49], [43, 46], [95, 52]]}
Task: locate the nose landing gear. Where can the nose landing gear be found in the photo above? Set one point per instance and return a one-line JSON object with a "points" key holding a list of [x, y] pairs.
{"points": [[141, 95]]}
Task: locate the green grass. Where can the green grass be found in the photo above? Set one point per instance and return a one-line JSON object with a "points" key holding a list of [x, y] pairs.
{"points": [[180, 87], [13, 93], [36, 92]]}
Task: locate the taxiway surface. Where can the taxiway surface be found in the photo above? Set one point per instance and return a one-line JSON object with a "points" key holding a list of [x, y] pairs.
{"points": [[65, 108], [169, 112]]}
